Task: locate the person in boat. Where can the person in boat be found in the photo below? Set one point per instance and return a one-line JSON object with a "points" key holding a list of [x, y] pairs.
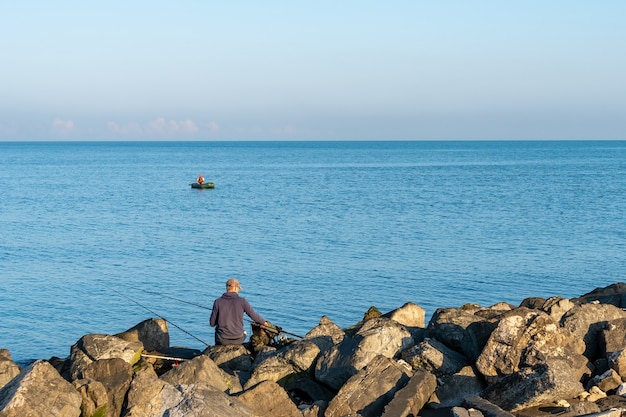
{"points": [[200, 179], [227, 315]]}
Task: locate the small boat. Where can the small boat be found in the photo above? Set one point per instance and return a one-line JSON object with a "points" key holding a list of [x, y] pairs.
{"points": [[203, 185]]}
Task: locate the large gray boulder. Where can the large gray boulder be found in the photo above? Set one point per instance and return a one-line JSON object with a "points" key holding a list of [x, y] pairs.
{"points": [[526, 337], [93, 347], [269, 399], [39, 390], [152, 333], [326, 327], [370, 390], [115, 375], [202, 400], [555, 307], [379, 336], [433, 356], [410, 315], [530, 387], [614, 294], [202, 369], [588, 321], [409, 400], [150, 396], [452, 390], [485, 408], [95, 397], [613, 337], [465, 329], [8, 368], [231, 358], [299, 357]]}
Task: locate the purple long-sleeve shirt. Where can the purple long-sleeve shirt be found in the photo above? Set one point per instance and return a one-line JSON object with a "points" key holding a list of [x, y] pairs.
{"points": [[227, 315]]}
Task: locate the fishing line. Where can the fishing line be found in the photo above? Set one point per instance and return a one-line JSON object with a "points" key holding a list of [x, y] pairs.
{"points": [[159, 316], [206, 308], [177, 299]]}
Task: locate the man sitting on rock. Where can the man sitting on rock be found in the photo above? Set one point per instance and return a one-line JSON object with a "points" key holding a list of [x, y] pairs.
{"points": [[227, 315]]}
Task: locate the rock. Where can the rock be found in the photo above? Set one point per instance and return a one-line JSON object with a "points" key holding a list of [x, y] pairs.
{"points": [[524, 338], [368, 391], [202, 369], [608, 381], [230, 358], [115, 375], [62, 366], [581, 409], [595, 394], [611, 402], [95, 397], [535, 303], [433, 356], [534, 386], [613, 337], [269, 399], [453, 389], [303, 353], [380, 336], [464, 412], [315, 410], [410, 399], [487, 408], [149, 396], [613, 294], [326, 328], [587, 322], [410, 315], [298, 357], [274, 368], [8, 368], [202, 400], [39, 390], [617, 362], [463, 329], [616, 412], [93, 347], [152, 333], [304, 390], [556, 307]]}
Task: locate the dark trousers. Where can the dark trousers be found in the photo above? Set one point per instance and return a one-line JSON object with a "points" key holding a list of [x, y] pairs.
{"points": [[221, 341]]}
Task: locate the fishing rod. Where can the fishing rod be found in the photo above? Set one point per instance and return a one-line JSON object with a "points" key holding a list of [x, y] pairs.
{"points": [[159, 316], [210, 309]]}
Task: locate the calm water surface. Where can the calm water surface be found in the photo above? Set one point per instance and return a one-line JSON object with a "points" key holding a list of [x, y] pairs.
{"points": [[309, 228]]}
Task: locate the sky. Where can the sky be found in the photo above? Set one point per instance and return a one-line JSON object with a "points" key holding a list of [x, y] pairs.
{"points": [[323, 70]]}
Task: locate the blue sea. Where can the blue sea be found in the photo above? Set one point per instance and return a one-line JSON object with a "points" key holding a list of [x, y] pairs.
{"points": [[98, 236]]}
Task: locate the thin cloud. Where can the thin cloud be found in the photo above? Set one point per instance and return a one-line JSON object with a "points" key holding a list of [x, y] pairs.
{"points": [[63, 127], [162, 126], [159, 127]]}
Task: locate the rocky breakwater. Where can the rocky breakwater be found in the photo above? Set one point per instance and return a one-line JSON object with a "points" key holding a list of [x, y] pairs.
{"points": [[543, 357]]}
